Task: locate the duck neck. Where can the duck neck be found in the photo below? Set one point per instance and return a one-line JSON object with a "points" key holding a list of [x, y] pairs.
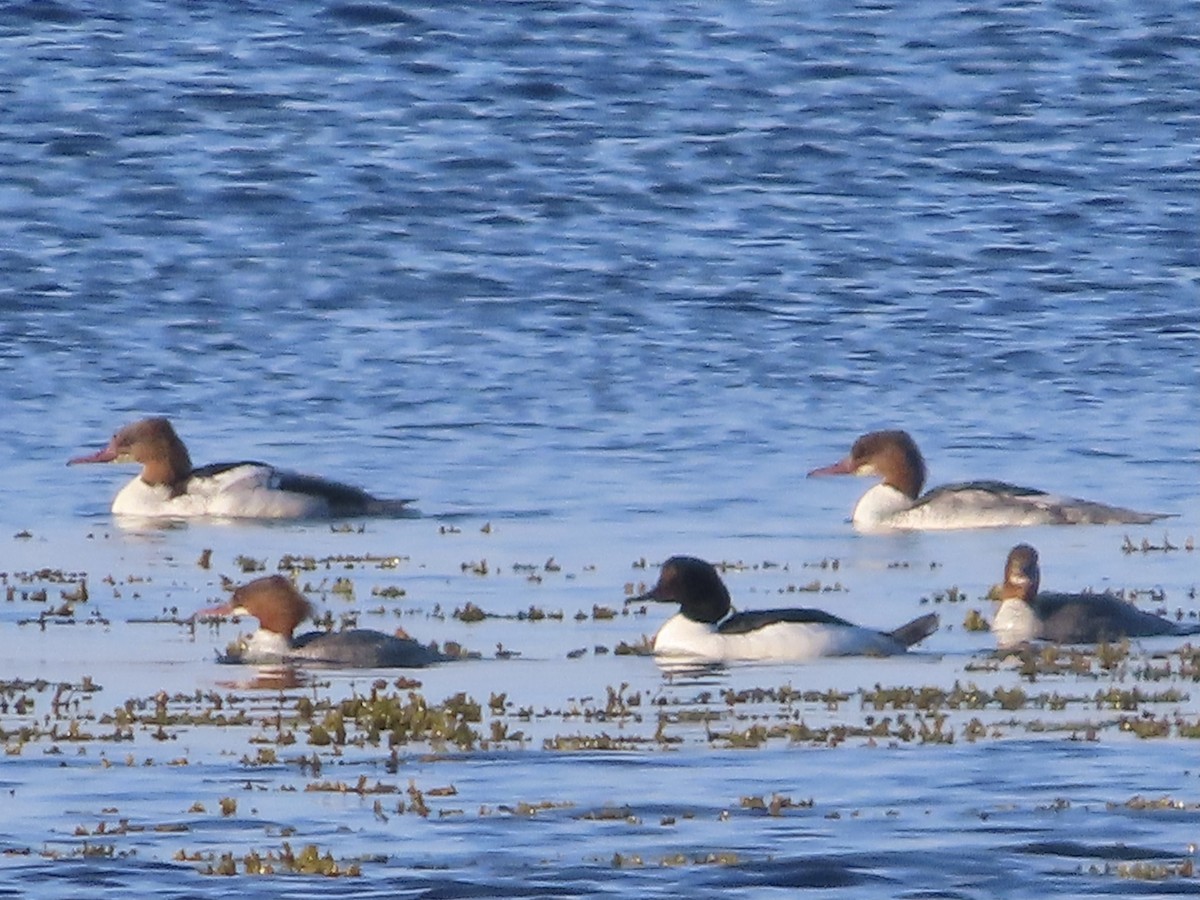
{"points": [[170, 466]]}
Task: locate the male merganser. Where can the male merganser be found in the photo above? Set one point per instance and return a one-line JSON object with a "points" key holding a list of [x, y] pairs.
{"points": [[1025, 615], [169, 486], [898, 503], [280, 607], [707, 628]]}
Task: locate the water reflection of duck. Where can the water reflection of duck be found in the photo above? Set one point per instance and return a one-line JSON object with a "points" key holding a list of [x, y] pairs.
{"points": [[897, 502], [280, 608], [707, 628], [168, 485], [1025, 615]]}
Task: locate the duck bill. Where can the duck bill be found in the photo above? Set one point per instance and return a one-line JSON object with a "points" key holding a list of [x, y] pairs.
{"points": [[841, 467], [107, 455], [651, 596], [224, 609]]}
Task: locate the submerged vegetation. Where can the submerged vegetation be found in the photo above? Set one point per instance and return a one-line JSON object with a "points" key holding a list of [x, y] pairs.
{"points": [[367, 744]]}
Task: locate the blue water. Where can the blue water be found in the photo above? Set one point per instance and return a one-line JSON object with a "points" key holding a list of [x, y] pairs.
{"points": [[609, 279]]}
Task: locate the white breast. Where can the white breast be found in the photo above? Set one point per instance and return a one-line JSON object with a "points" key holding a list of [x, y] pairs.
{"points": [[788, 641], [877, 509], [245, 491], [140, 499], [265, 647], [1015, 623]]}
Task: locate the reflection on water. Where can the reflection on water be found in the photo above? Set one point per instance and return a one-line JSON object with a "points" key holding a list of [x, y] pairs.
{"points": [[685, 672], [265, 678]]}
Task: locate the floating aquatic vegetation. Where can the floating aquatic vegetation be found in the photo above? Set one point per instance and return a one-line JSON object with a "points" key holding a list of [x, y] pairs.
{"points": [[88, 850], [678, 860], [611, 814], [309, 861], [264, 756], [602, 741], [644, 647], [1138, 803], [290, 563], [390, 592], [825, 563], [1128, 546], [46, 574], [528, 810], [975, 621], [124, 827], [470, 612], [814, 587], [248, 564], [1156, 871], [1147, 726], [951, 594], [361, 787], [1134, 698], [776, 805]]}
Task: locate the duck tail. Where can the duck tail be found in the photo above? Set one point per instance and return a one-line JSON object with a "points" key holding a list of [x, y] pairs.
{"points": [[917, 630], [387, 507]]}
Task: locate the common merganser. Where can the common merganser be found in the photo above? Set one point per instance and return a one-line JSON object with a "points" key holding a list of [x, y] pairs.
{"points": [[169, 486], [280, 608], [706, 627], [1025, 615], [897, 502]]}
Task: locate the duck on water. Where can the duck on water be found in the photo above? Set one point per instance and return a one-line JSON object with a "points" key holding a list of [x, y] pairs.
{"points": [[707, 628], [1027, 615], [280, 608], [169, 485], [897, 502]]}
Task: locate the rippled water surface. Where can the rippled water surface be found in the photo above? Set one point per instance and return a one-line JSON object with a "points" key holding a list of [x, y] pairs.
{"points": [[597, 283]]}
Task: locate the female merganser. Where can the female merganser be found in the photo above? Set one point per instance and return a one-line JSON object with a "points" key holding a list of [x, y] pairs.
{"points": [[1025, 615], [898, 503], [169, 486], [707, 628], [279, 608]]}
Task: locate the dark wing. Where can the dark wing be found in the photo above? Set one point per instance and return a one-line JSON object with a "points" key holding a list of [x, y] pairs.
{"points": [[217, 468], [741, 623], [987, 487], [360, 648], [1092, 618], [342, 498]]}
